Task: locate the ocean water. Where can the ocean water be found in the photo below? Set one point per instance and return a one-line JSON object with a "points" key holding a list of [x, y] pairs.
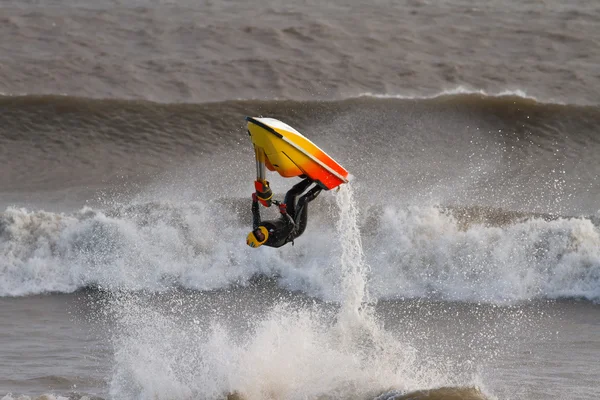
{"points": [[461, 262]]}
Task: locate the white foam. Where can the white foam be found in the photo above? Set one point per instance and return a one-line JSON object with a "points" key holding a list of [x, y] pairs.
{"points": [[417, 251], [47, 396], [292, 352], [458, 91], [430, 256]]}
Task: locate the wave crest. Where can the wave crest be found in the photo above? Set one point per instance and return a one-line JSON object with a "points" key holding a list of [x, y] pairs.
{"points": [[430, 252]]}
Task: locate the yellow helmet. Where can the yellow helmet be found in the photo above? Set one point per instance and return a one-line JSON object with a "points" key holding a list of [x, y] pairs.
{"points": [[252, 239]]}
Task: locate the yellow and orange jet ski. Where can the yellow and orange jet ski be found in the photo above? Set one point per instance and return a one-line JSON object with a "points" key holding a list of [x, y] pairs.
{"points": [[283, 149]]}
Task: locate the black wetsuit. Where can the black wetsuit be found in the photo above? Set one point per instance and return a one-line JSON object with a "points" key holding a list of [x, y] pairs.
{"points": [[292, 224]]}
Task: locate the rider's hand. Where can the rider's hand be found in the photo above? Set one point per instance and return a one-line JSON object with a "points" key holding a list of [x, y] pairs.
{"points": [[282, 208]]}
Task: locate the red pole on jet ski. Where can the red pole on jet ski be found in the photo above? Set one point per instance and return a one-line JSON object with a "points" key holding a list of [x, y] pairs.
{"points": [[261, 185]]}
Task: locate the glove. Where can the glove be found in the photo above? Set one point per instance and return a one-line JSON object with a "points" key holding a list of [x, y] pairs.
{"points": [[282, 208], [254, 198]]}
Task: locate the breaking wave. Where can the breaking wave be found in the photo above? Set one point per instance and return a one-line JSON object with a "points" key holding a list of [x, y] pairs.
{"points": [[417, 251]]}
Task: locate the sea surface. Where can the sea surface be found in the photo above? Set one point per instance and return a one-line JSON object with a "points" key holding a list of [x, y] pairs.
{"points": [[462, 261]]}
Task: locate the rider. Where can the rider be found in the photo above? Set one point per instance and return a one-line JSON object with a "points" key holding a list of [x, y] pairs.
{"points": [[290, 224]]}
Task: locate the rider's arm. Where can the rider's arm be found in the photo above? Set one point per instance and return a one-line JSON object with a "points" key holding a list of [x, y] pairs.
{"points": [[255, 213]]}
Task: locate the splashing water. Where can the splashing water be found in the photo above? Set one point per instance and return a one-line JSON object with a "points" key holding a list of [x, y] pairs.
{"points": [[352, 260], [166, 350]]}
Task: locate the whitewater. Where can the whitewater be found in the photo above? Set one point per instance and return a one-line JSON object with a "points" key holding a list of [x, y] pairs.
{"points": [[462, 262], [418, 251], [294, 350]]}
